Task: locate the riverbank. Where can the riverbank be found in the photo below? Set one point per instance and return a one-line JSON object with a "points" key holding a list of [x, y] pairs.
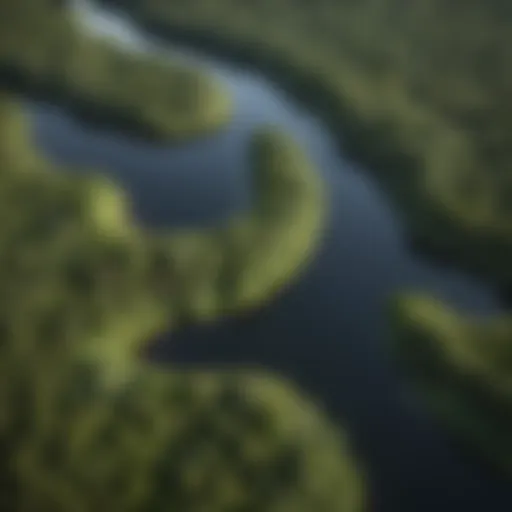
{"points": [[420, 139], [462, 367], [196, 275], [247, 261], [45, 54], [75, 263]]}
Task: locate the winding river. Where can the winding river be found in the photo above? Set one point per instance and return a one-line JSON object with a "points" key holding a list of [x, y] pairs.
{"points": [[328, 330]]}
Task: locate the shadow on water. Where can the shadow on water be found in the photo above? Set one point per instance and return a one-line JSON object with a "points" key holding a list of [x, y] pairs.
{"points": [[327, 331]]}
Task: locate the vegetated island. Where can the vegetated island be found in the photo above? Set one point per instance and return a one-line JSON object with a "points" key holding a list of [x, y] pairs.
{"points": [[44, 52], [84, 424], [463, 368], [419, 90]]}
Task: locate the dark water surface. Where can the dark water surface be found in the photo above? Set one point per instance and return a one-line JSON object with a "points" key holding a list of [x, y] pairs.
{"points": [[328, 330]]}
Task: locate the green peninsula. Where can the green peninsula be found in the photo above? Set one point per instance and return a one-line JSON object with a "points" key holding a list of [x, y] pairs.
{"points": [[85, 424], [420, 91], [463, 368], [44, 52], [190, 275]]}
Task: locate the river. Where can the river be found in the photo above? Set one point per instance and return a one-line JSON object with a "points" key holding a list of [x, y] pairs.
{"points": [[328, 330]]}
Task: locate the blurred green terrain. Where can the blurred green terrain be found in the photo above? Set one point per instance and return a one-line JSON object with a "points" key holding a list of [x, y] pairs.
{"points": [[44, 52], [463, 368]]}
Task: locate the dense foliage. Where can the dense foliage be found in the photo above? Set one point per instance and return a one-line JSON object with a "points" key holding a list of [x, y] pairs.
{"points": [[44, 51], [463, 368], [179, 440]]}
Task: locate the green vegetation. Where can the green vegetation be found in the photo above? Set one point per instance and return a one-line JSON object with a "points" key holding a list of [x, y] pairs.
{"points": [[183, 441], [78, 232], [418, 89], [85, 425], [464, 369], [44, 52]]}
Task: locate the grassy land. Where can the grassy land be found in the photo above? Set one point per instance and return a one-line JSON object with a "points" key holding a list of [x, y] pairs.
{"points": [[420, 90], [463, 367], [84, 424], [44, 52]]}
